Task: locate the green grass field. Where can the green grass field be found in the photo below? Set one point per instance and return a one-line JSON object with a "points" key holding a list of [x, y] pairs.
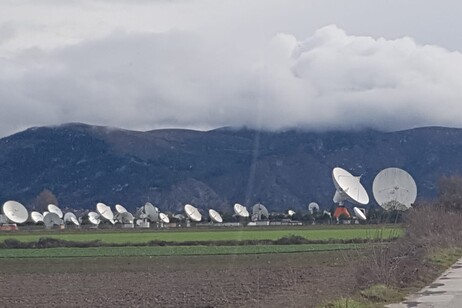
{"points": [[168, 250], [134, 236]]}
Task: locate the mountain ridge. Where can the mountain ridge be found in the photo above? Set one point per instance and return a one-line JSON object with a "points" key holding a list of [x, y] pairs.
{"points": [[84, 164]]}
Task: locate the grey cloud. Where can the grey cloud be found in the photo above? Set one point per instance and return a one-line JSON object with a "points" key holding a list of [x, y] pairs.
{"points": [[179, 79]]}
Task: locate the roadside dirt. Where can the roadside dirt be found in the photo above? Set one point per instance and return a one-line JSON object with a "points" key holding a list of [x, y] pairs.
{"points": [[279, 280]]}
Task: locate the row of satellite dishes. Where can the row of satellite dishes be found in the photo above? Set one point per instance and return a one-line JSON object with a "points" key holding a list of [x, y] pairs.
{"points": [[393, 189], [16, 213]]}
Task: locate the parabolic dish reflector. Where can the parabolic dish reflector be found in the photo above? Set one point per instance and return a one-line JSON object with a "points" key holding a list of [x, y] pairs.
{"points": [[394, 188], [164, 218], [93, 218], [313, 207], [192, 212], [71, 218], [215, 216], [52, 219], [120, 209], [36, 217], [359, 214], [105, 212], [260, 210], [291, 213], [348, 187], [151, 211], [241, 210], [54, 209], [126, 218], [15, 212]]}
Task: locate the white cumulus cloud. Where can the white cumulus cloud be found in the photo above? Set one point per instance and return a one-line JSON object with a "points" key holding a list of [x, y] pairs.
{"points": [[147, 80]]}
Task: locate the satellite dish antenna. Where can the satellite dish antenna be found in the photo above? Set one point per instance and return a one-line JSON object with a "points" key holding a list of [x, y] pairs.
{"points": [[120, 209], [291, 213], [348, 188], [151, 212], [52, 219], [93, 218], [313, 207], [105, 212], [241, 210], [15, 212], [164, 218], [192, 212], [44, 213], [70, 218], [359, 214], [125, 218], [54, 209], [215, 216], [394, 189], [258, 211], [179, 216], [36, 217]]}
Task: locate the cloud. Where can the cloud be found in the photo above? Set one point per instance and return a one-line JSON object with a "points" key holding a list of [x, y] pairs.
{"points": [[329, 80]]}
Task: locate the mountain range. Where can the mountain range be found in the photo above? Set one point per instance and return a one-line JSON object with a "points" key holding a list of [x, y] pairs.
{"points": [[84, 164]]}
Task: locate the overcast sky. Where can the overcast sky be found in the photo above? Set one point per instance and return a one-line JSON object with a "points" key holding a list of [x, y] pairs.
{"points": [[271, 64]]}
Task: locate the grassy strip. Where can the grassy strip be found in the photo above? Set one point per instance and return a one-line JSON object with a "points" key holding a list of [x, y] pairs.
{"points": [[214, 235], [64, 252], [291, 240]]}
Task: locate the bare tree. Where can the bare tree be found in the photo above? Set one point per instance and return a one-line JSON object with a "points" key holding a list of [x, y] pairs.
{"points": [[44, 198]]}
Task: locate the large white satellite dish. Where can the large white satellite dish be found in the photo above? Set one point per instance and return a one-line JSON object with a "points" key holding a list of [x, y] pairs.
{"points": [[215, 216], [313, 207], [241, 210], [93, 218], [394, 188], [120, 209], [291, 213], [348, 188], [125, 218], [52, 219], [55, 209], [105, 212], [164, 218], [192, 212], [70, 218], [258, 211], [36, 217], [359, 214], [15, 212], [151, 212]]}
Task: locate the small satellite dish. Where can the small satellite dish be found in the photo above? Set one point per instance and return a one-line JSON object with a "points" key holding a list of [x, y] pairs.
{"points": [[52, 219], [359, 214], [120, 209], [348, 188], [313, 207], [15, 212], [394, 188], [105, 212], [241, 210], [93, 218], [258, 211], [151, 212], [215, 216], [192, 212], [291, 213], [54, 209], [125, 218], [179, 216], [36, 217], [164, 218], [70, 218], [44, 213]]}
